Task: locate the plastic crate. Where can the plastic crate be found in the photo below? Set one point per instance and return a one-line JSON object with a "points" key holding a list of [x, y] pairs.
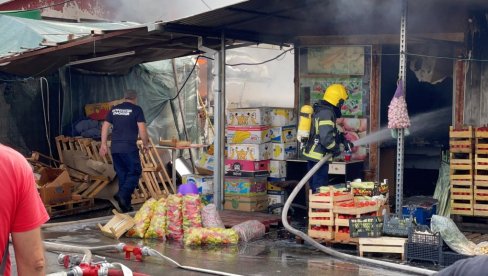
{"points": [[394, 225], [422, 215], [450, 257], [424, 245], [366, 227]]}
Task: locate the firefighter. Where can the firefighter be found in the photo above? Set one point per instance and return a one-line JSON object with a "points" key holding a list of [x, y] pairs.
{"points": [[324, 137]]}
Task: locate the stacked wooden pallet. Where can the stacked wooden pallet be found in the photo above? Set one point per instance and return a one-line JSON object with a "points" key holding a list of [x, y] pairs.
{"points": [[94, 172], [461, 143], [481, 172]]}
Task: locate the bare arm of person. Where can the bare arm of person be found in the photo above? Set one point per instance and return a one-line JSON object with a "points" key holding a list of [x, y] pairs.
{"points": [[143, 134], [29, 252], [103, 147]]}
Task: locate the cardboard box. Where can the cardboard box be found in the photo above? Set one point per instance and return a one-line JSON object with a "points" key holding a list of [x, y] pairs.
{"points": [[283, 116], [57, 193], [246, 168], [203, 182], [276, 197], [283, 134], [284, 151], [271, 187], [246, 186], [252, 152], [246, 203], [54, 186], [206, 161], [277, 168], [248, 116], [247, 134]]}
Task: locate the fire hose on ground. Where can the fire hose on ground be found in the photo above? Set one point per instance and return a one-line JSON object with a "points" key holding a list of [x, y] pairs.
{"points": [[330, 251], [85, 266]]}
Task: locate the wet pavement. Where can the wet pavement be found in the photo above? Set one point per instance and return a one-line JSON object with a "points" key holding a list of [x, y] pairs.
{"points": [[275, 254]]}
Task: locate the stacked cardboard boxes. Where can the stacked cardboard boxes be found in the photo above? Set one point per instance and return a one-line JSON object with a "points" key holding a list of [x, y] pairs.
{"points": [[249, 150], [283, 133]]}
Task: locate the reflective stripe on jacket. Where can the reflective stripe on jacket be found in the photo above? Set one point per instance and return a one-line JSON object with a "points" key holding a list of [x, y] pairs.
{"points": [[322, 133]]}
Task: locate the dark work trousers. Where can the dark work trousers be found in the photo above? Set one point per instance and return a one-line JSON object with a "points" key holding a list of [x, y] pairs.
{"points": [[128, 169], [320, 177]]}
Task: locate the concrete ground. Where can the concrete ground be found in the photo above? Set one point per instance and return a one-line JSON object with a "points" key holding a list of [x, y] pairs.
{"points": [[275, 254]]}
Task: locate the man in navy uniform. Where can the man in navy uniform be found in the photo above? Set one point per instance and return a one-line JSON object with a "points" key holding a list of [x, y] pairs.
{"points": [[128, 122]]}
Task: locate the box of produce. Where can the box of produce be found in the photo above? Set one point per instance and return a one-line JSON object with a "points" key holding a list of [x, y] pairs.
{"points": [[283, 116], [245, 186], [326, 199], [424, 245], [397, 226], [203, 182], [366, 227], [248, 116], [246, 168], [246, 203], [284, 134], [247, 134], [357, 207], [363, 188], [284, 151], [277, 168], [251, 152]]}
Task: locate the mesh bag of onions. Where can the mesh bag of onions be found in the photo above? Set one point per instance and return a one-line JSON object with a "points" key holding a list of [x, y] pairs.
{"points": [[397, 110]]}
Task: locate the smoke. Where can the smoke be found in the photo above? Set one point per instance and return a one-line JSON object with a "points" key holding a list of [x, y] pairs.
{"points": [[146, 11], [424, 123]]}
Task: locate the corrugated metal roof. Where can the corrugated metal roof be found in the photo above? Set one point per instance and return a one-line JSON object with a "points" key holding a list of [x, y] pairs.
{"points": [[270, 21]]}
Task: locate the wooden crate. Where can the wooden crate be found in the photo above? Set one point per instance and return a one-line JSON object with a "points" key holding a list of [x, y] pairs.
{"points": [[480, 208], [461, 140], [321, 235], [382, 245], [462, 207], [325, 217], [316, 201], [117, 226], [461, 192], [344, 237]]}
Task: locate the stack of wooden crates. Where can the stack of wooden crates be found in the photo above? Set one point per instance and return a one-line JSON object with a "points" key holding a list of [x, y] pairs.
{"points": [[469, 171], [461, 144]]}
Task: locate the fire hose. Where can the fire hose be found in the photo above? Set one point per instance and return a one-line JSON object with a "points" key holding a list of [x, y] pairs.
{"points": [[330, 251], [85, 266]]}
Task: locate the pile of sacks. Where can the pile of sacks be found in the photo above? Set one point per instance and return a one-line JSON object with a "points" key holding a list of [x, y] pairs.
{"points": [[185, 218]]}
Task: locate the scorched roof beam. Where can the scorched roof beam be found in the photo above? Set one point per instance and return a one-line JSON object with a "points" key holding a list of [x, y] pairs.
{"points": [[229, 34]]}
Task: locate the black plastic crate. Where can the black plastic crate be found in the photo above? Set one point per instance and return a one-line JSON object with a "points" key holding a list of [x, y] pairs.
{"points": [[424, 245], [450, 257], [394, 225], [366, 227]]}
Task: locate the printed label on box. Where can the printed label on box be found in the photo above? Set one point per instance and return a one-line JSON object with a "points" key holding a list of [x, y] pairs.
{"points": [[284, 134], [247, 135], [284, 151], [252, 152], [245, 185], [203, 182], [277, 168], [283, 117], [248, 116]]}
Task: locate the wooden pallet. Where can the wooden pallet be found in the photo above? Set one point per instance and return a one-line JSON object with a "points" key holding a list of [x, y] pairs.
{"points": [[70, 207], [382, 245]]}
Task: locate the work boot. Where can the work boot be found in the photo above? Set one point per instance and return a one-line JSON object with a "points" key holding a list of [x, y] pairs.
{"points": [[123, 207]]}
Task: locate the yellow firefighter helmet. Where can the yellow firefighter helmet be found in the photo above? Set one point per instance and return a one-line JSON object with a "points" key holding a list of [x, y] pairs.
{"points": [[335, 94]]}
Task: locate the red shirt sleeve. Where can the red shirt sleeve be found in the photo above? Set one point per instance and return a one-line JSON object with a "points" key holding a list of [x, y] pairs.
{"points": [[30, 211]]}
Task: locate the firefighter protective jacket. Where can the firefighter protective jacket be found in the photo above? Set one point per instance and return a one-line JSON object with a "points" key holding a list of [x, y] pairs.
{"points": [[323, 132]]}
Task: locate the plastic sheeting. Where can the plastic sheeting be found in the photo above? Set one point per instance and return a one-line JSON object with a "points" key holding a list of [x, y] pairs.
{"points": [[34, 32], [156, 87]]}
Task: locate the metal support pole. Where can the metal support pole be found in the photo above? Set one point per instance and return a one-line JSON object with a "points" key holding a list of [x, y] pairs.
{"points": [[401, 132], [219, 117]]}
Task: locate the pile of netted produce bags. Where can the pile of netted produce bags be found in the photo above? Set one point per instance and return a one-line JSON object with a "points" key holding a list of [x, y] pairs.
{"points": [[184, 218]]}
